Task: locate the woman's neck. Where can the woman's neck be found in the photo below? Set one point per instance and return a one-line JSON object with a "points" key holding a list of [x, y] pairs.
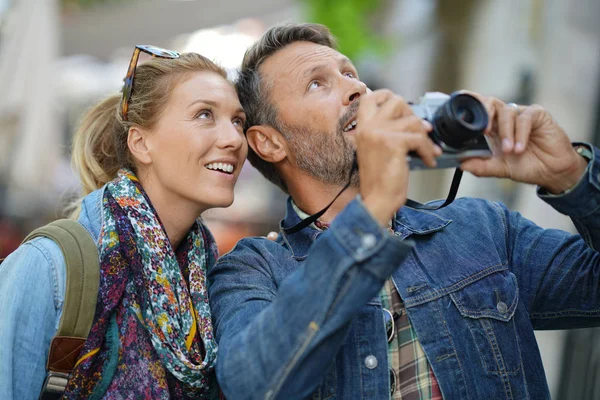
{"points": [[176, 213]]}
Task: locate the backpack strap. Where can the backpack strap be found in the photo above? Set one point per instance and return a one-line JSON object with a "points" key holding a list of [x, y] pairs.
{"points": [[81, 292]]}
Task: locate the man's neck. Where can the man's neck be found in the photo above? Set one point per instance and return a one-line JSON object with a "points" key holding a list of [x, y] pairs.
{"points": [[311, 196]]}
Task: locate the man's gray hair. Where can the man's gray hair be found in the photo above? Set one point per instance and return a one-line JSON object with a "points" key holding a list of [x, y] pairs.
{"points": [[254, 90]]}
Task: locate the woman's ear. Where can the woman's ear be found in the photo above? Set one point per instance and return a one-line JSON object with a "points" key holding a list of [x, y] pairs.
{"points": [[136, 141], [267, 142]]}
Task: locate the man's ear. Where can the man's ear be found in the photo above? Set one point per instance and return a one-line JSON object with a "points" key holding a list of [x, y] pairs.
{"points": [[267, 142], [136, 141]]}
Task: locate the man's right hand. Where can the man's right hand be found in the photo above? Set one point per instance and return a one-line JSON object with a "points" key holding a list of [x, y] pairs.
{"points": [[387, 130]]}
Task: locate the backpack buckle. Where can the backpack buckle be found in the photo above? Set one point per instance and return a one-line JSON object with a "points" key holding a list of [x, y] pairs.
{"points": [[54, 385]]}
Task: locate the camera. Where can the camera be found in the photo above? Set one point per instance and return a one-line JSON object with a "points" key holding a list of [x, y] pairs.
{"points": [[459, 121]]}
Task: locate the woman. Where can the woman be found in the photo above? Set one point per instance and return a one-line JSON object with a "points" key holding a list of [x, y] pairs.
{"points": [[150, 161]]}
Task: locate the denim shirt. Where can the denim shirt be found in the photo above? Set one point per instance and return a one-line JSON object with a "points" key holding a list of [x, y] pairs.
{"points": [[300, 317], [32, 291]]}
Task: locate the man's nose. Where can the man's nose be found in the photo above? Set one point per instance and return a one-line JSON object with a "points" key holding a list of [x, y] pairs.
{"points": [[354, 90]]}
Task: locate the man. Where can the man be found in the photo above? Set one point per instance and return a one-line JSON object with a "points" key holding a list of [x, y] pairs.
{"points": [[377, 299]]}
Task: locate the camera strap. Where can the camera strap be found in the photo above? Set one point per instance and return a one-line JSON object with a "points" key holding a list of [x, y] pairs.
{"points": [[410, 203], [458, 173], [313, 218]]}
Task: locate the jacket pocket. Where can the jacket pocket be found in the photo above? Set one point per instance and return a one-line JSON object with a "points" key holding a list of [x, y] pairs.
{"points": [[327, 389], [488, 306]]}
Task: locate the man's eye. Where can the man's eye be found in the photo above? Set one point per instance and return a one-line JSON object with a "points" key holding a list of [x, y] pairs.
{"points": [[204, 114], [238, 122], [350, 75], [314, 85]]}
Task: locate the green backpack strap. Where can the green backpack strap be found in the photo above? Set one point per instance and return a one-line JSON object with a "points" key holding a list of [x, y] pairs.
{"points": [[83, 274], [81, 292]]}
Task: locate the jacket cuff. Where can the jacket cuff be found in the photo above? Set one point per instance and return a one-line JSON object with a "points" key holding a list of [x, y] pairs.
{"points": [[364, 238], [584, 198]]}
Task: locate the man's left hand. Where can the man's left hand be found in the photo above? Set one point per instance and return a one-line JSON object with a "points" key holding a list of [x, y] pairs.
{"points": [[529, 147]]}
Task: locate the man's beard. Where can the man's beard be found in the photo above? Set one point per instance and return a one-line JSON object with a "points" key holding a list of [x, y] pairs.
{"points": [[325, 156]]}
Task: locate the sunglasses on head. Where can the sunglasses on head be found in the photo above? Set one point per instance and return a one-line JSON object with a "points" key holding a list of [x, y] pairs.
{"points": [[128, 85]]}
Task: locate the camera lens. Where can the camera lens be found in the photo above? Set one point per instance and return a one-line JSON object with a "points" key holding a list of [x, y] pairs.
{"points": [[465, 115], [460, 120]]}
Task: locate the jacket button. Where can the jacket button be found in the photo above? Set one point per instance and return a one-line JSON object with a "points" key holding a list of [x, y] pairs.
{"points": [[369, 241], [371, 362], [502, 307]]}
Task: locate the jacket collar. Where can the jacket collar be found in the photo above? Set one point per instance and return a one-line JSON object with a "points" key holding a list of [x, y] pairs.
{"points": [[407, 221], [91, 212], [297, 243]]}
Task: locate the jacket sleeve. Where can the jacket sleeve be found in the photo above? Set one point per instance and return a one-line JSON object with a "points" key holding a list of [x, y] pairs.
{"points": [[559, 273], [277, 342], [31, 302]]}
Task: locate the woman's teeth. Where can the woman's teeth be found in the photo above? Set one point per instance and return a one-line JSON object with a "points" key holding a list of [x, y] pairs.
{"points": [[227, 168]]}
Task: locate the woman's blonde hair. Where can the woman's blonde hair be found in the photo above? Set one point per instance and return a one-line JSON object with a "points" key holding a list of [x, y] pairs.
{"points": [[100, 142]]}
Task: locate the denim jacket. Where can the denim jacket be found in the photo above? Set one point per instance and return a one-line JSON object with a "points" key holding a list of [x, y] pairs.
{"points": [[301, 318], [32, 290]]}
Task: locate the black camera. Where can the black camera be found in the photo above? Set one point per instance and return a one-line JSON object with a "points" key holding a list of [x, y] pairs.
{"points": [[459, 121]]}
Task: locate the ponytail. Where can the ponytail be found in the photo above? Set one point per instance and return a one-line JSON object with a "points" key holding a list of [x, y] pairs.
{"points": [[99, 148]]}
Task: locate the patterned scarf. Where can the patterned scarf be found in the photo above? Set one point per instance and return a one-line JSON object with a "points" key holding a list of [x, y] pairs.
{"points": [[152, 335]]}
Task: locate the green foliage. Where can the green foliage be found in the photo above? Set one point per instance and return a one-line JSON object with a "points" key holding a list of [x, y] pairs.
{"points": [[349, 21]]}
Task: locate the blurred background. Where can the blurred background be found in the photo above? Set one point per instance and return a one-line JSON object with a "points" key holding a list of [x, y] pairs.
{"points": [[58, 57]]}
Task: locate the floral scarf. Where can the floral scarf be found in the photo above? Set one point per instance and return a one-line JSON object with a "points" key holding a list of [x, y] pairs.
{"points": [[152, 335]]}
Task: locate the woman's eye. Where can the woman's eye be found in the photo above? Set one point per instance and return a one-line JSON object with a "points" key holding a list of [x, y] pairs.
{"points": [[350, 75], [238, 122]]}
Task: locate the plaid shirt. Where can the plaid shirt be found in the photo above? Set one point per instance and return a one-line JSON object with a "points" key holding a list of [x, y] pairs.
{"points": [[413, 374], [414, 378]]}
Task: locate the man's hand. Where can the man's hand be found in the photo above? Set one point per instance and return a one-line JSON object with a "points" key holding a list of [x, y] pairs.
{"points": [[386, 131], [529, 147]]}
